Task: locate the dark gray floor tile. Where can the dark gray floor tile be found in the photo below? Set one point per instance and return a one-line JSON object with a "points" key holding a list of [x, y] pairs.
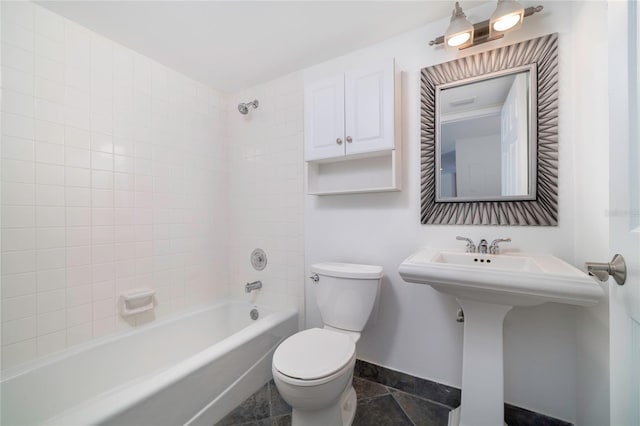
{"points": [[422, 412], [367, 389], [380, 411], [516, 416], [281, 420], [279, 406], [256, 407], [385, 376], [438, 392]]}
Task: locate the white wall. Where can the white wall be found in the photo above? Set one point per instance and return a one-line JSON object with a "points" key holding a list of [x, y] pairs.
{"points": [[265, 192], [479, 166], [113, 177], [414, 329]]}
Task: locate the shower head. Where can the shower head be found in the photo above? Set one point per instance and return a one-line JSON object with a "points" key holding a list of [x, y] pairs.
{"points": [[244, 107]]}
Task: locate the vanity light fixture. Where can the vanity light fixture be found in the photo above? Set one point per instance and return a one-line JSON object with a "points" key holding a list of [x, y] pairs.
{"points": [[508, 16], [461, 34]]}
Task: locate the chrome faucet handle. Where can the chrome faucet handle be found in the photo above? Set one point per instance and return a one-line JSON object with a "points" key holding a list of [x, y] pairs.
{"points": [[494, 248], [483, 247], [471, 248]]}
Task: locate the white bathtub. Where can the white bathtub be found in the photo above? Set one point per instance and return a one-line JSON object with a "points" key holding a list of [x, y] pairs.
{"points": [[192, 369]]}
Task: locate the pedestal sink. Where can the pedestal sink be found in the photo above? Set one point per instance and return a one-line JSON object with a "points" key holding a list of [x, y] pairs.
{"points": [[487, 286]]}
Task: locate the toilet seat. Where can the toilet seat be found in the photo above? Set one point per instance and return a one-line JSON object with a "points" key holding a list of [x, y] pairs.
{"points": [[314, 355]]}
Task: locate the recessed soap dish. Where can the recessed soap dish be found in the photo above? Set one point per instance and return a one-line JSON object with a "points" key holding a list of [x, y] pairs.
{"points": [[137, 301]]}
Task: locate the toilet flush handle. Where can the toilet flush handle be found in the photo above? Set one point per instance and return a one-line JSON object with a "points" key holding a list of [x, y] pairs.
{"points": [[315, 278]]}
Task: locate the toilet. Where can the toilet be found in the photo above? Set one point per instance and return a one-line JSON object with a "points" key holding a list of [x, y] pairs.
{"points": [[313, 369]]}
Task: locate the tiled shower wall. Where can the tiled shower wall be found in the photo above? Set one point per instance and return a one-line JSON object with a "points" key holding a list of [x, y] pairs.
{"points": [[114, 176], [266, 192]]}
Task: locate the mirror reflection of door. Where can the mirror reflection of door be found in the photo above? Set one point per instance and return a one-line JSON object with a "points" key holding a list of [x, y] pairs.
{"points": [[514, 130], [484, 139]]}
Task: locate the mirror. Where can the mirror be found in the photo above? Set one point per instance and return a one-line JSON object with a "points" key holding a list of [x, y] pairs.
{"points": [[489, 137], [484, 137]]}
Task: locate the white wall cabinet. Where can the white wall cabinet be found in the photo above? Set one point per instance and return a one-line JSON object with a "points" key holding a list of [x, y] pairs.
{"points": [[350, 131]]}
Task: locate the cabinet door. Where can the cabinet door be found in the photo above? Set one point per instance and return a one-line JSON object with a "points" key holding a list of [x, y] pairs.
{"points": [[369, 108], [324, 119]]}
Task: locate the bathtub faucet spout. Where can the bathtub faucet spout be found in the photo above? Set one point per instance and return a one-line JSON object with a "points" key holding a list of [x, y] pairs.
{"points": [[249, 287]]}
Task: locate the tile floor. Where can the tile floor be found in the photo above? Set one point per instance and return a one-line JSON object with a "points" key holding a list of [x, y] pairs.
{"points": [[385, 398]]}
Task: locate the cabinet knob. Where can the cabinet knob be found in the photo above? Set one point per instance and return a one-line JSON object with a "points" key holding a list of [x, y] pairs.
{"points": [[339, 141], [349, 139]]}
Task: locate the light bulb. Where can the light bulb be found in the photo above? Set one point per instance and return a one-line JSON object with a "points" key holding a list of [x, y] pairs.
{"points": [[458, 39], [506, 22]]}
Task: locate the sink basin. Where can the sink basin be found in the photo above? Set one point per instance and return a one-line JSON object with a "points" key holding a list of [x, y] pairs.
{"points": [[486, 287], [506, 279]]}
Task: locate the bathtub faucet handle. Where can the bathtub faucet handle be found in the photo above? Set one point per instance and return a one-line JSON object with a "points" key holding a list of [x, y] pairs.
{"points": [[249, 287]]}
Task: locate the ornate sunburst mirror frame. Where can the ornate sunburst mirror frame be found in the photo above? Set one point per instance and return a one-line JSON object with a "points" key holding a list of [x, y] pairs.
{"points": [[539, 206]]}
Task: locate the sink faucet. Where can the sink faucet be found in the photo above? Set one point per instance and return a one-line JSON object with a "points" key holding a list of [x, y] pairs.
{"points": [[483, 247], [471, 248], [494, 248], [249, 287]]}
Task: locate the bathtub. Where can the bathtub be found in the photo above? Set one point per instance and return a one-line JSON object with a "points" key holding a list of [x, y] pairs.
{"points": [[192, 369]]}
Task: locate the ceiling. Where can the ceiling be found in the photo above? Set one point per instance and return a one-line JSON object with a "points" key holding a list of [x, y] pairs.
{"points": [[232, 45]]}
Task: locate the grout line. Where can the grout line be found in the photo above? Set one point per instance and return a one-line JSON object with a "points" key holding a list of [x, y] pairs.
{"points": [[402, 409], [424, 399]]}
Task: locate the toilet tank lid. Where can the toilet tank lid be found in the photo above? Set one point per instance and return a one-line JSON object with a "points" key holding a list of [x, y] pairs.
{"points": [[347, 270]]}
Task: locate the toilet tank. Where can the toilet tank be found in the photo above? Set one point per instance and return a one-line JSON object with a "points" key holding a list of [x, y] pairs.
{"points": [[346, 293]]}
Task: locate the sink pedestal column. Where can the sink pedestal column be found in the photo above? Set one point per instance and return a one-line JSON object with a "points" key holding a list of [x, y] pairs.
{"points": [[482, 366]]}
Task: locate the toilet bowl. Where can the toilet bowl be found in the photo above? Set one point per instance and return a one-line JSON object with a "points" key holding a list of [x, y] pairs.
{"points": [[313, 369]]}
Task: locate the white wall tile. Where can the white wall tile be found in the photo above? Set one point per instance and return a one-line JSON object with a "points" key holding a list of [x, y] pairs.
{"points": [[49, 24], [49, 69], [17, 125], [49, 174], [19, 13], [50, 343], [102, 234], [52, 279], [15, 58], [78, 256], [51, 322], [18, 80], [77, 197], [18, 239], [18, 330], [51, 258], [50, 237], [18, 284], [50, 195], [100, 143], [14, 193], [79, 334], [17, 35], [51, 301], [75, 176], [18, 307], [18, 216], [80, 314], [17, 103], [78, 216], [78, 236], [50, 90], [18, 171], [49, 48], [46, 131], [79, 276], [18, 148], [50, 216], [17, 353], [75, 157]]}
